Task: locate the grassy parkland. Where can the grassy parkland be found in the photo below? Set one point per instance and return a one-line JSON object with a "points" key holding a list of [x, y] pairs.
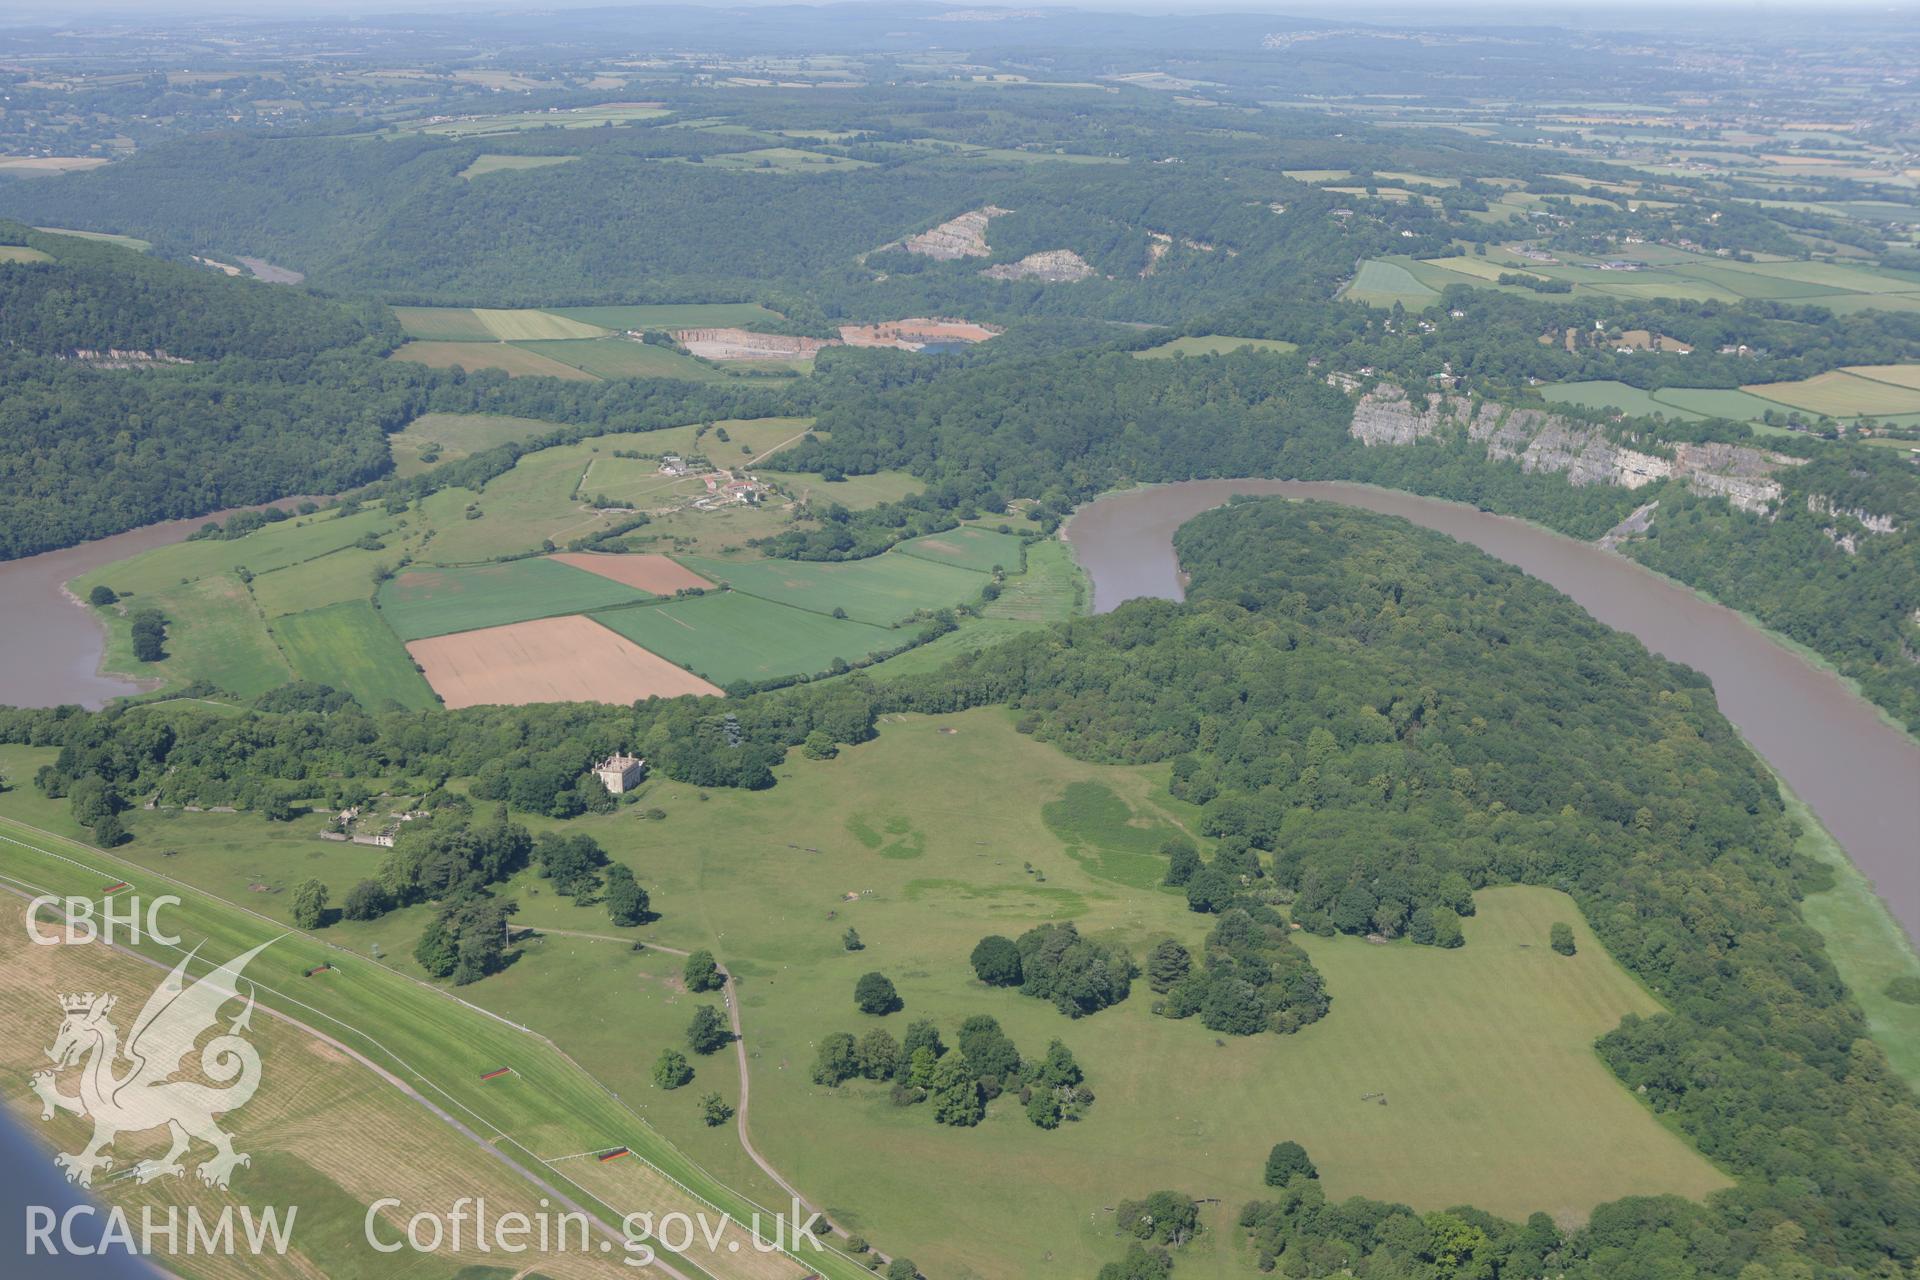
{"points": [[943, 830]]}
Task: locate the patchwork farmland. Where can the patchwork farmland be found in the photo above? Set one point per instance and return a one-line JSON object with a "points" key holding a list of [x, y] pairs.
{"points": [[451, 600]]}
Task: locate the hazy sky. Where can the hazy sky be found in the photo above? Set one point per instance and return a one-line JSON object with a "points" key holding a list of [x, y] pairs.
{"points": [[1624, 13]]}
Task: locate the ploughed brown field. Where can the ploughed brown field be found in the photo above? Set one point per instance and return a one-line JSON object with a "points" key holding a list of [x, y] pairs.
{"points": [[570, 659], [651, 573]]}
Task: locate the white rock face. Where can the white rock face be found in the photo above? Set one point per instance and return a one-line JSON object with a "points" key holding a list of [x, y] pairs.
{"points": [[1821, 505], [1542, 441], [961, 237], [1049, 266]]}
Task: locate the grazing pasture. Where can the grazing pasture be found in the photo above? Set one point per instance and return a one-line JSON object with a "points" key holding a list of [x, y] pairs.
{"points": [[472, 356], [349, 647], [269, 547], [568, 659], [1052, 588], [22, 253], [967, 547], [1607, 394], [729, 636], [435, 602], [452, 436], [941, 827], [329, 579], [1211, 344], [854, 492], [881, 590]]}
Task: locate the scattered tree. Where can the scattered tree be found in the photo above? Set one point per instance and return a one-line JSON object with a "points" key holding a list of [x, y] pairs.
{"points": [[1561, 937], [702, 973], [874, 994], [708, 1031], [851, 940], [1287, 1161], [308, 905], [996, 961], [671, 1069], [715, 1110], [1167, 965], [627, 902]]}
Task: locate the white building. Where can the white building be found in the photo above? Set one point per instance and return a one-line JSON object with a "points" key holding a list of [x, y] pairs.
{"points": [[619, 773]]}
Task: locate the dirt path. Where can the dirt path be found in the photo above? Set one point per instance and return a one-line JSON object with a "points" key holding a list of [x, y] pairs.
{"points": [[740, 1054]]}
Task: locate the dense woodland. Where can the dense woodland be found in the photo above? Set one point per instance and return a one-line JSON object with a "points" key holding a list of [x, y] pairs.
{"points": [[1372, 719]]}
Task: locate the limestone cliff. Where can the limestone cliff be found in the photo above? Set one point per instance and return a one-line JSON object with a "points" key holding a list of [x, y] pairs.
{"points": [[1543, 441]]}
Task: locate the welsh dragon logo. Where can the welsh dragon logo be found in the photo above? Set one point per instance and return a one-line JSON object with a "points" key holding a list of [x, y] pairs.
{"points": [[128, 1088]]}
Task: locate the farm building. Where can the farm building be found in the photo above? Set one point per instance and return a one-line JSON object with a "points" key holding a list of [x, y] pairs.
{"points": [[617, 773]]}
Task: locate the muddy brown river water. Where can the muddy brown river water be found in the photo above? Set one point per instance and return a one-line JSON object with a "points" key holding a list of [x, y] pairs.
{"points": [[50, 644], [1860, 774]]}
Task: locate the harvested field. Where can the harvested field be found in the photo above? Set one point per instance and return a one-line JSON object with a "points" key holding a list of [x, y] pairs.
{"points": [[442, 324], [1211, 345], [916, 333], [533, 326], [1049, 266], [743, 344], [1900, 375], [490, 163], [653, 574], [1841, 395], [961, 237], [569, 659]]}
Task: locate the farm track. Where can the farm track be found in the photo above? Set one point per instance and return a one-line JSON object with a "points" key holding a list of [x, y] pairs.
{"points": [[846, 1265]]}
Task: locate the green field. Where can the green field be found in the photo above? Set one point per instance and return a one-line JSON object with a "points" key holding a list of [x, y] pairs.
{"points": [[1053, 587], [1606, 394], [1715, 402], [854, 492], [453, 436], [473, 355], [968, 547], [488, 163], [729, 636], [424, 602], [442, 324], [1867, 945], [330, 579], [270, 547], [21, 253], [1381, 284], [625, 358], [1484, 1049], [672, 315], [881, 590], [214, 632], [1211, 345], [349, 647]]}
